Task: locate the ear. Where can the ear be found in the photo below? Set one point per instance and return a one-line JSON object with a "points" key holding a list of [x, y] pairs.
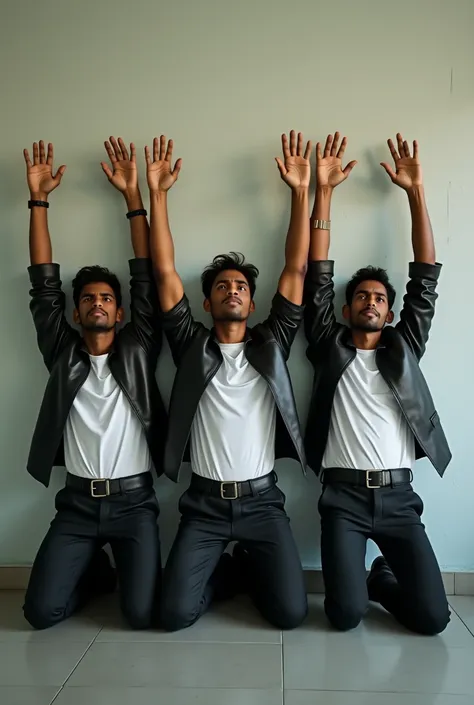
{"points": [[120, 314], [390, 317], [252, 306], [75, 316], [346, 312], [206, 304]]}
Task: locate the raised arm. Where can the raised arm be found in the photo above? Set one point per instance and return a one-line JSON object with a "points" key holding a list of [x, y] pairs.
{"points": [[419, 301], [409, 177], [144, 310], [320, 319], [48, 302], [41, 182], [295, 170], [161, 177], [124, 176]]}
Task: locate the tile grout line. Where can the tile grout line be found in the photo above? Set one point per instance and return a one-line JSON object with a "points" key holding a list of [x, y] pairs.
{"points": [[75, 667], [461, 619]]}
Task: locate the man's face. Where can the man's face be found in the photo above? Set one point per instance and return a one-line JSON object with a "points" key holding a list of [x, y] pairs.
{"points": [[369, 310], [230, 298], [97, 309]]}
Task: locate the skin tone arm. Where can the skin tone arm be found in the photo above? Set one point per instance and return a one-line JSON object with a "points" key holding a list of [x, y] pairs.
{"points": [[41, 182], [295, 171], [329, 174], [408, 176], [161, 177], [124, 176]]}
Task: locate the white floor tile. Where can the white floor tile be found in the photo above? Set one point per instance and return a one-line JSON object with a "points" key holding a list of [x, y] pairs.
{"points": [[181, 665], [26, 696], [166, 696]]}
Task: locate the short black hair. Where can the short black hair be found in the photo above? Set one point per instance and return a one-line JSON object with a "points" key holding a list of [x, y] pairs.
{"points": [[234, 260], [370, 273], [92, 275]]}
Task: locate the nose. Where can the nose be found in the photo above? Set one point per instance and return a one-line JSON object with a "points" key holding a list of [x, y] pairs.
{"points": [[97, 303]]}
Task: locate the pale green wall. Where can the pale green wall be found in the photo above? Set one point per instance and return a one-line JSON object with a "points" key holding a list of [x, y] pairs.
{"points": [[225, 79]]}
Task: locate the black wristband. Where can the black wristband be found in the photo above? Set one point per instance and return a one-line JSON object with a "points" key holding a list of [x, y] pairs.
{"points": [[41, 204], [140, 211]]}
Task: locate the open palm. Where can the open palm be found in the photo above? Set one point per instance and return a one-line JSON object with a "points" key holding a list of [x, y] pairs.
{"points": [[123, 175], [295, 170], [329, 171], [39, 173], [159, 172], [408, 173]]}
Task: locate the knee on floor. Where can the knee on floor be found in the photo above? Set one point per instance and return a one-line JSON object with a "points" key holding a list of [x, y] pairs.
{"points": [[431, 622], [138, 618], [40, 615], [175, 616], [345, 617], [288, 616]]}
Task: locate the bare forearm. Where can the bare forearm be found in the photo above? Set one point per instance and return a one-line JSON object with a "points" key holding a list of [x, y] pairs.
{"points": [[291, 282], [161, 240], [297, 241], [170, 287], [139, 229], [421, 233], [319, 239], [41, 251]]}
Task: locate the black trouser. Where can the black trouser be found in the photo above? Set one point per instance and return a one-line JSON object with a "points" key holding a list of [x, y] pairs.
{"points": [[82, 525], [259, 523], [390, 516]]}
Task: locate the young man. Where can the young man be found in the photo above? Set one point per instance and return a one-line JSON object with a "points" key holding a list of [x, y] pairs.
{"points": [[372, 415], [102, 415], [232, 397]]}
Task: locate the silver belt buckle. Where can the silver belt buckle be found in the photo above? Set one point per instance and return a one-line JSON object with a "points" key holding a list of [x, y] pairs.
{"points": [[95, 493], [234, 485], [368, 483]]}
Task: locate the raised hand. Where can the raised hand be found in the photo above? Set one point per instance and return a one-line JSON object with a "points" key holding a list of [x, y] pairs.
{"points": [[296, 169], [39, 174], [329, 171], [407, 172], [123, 175], [160, 175]]}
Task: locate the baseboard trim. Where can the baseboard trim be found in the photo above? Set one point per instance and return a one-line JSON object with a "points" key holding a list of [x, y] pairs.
{"points": [[462, 583]]}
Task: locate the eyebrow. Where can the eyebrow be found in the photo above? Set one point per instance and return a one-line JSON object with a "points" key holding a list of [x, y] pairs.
{"points": [[229, 281], [102, 293], [364, 291]]}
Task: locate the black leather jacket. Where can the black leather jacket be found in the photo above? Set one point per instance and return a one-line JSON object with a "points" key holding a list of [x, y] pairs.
{"points": [[198, 357], [401, 347], [132, 363]]}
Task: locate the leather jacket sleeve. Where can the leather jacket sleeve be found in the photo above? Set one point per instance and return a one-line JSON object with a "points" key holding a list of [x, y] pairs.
{"points": [[180, 328], [47, 305], [319, 317], [419, 305], [145, 324], [283, 322]]}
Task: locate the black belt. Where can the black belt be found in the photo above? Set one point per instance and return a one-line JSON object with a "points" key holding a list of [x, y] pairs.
{"points": [[233, 490], [372, 479], [104, 488]]}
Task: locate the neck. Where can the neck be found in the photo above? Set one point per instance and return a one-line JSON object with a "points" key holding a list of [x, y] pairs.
{"points": [[230, 331], [364, 340], [98, 343]]}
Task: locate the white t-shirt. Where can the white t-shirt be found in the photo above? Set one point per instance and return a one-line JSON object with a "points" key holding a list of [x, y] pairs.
{"points": [[103, 438], [233, 431], [367, 429]]}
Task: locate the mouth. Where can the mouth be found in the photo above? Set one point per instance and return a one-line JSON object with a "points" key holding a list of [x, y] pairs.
{"points": [[233, 302], [369, 313], [97, 314]]}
